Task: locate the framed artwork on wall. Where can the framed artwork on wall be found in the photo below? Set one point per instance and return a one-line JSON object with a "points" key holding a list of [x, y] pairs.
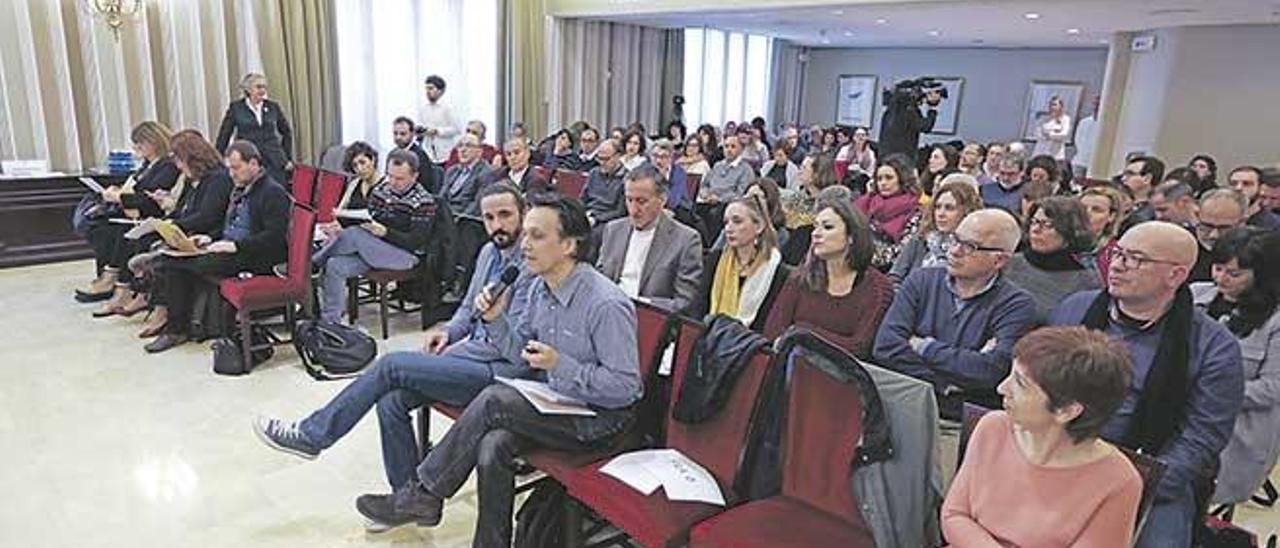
{"points": [[1037, 107], [949, 110], [855, 100]]}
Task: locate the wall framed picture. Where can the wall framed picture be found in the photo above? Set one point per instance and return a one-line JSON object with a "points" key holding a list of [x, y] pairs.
{"points": [[855, 100], [1037, 106], [949, 110]]}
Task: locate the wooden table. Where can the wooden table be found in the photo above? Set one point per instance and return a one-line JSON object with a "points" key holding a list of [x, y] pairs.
{"points": [[35, 218]]}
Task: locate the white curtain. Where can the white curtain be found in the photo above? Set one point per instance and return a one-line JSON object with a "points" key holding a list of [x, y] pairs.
{"points": [[610, 74], [786, 86], [386, 48], [726, 76], [70, 92]]}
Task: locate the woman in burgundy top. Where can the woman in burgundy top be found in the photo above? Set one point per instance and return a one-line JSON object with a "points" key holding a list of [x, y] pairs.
{"points": [[836, 294]]}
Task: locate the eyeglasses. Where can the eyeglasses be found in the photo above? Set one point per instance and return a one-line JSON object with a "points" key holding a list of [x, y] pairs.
{"points": [[1041, 224], [1131, 259], [964, 247], [1210, 228]]}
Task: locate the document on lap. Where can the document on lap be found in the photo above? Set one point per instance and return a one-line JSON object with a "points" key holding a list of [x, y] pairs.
{"points": [[353, 214], [92, 184], [681, 478], [546, 400]]}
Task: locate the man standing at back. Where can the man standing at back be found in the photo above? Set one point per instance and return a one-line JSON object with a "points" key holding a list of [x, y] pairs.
{"points": [[1188, 382], [439, 124]]}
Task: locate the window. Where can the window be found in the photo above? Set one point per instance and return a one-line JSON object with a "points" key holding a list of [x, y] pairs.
{"points": [[726, 76]]}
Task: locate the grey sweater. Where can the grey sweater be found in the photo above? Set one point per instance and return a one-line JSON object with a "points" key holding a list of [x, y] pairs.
{"points": [[1048, 288]]}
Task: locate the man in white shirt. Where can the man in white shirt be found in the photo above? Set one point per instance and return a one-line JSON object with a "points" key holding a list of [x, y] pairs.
{"points": [[439, 126], [647, 253], [1086, 140]]}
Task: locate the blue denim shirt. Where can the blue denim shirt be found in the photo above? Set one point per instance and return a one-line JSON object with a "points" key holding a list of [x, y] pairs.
{"points": [[592, 325]]}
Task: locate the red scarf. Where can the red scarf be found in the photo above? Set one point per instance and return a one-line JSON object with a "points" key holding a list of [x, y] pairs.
{"points": [[889, 214]]}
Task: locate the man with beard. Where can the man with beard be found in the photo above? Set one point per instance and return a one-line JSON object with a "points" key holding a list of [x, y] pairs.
{"points": [[402, 134], [1247, 180], [456, 362]]}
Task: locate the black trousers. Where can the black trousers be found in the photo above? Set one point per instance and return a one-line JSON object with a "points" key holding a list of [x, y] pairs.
{"points": [[105, 238], [184, 276]]}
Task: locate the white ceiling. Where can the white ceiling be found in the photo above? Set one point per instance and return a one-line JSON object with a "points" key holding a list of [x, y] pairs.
{"points": [[990, 23]]}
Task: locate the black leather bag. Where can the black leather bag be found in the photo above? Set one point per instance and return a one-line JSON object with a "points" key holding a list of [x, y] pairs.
{"points": [[227, 359], [331, 351]]}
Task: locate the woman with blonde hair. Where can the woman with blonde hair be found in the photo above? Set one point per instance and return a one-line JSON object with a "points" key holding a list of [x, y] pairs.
{"points": [[1106, 208], [743, 279], [261, 121], [928, 248]]}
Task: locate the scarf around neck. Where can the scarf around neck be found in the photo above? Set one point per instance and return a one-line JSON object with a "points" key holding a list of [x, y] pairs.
{"points": [[741, 299], [1057, 261]]}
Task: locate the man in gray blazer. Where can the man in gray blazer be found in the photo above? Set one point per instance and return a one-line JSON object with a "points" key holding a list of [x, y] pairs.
{"points": [[463, 180], [650, 255]]}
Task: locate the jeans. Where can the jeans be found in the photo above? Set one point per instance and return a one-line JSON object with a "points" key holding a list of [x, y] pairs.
{"points": [[498, 425], [352, 253], [398, 383], [1169, 524]]}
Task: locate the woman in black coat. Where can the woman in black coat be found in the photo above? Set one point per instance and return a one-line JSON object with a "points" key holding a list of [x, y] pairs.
{"points": [[262, 122]]}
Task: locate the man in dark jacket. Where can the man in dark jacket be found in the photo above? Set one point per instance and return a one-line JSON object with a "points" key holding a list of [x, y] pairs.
{"points": [[254, 236], [902, 123], [402, 135]]}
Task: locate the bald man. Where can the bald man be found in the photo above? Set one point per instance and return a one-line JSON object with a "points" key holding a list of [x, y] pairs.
{"points": [[1188, 382], [1220, 210], [955, 326], [519, 169]]}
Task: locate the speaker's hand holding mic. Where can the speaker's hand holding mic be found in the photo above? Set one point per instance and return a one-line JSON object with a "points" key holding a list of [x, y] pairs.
{"points": [[492, 300]]}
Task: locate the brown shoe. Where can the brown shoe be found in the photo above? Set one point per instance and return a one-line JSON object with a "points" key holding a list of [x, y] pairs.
{"points": [[114, 304], [100, 289], [137, 303], [155, 324]]}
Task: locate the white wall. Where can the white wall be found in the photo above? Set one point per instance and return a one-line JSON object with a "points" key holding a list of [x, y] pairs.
{"points": [[996, 81]]}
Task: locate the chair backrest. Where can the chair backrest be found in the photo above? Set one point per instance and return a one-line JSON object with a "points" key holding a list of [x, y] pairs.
{"points": [[650, 321], [720, 442], [569, 183], [692, 182], [820, 437], [969, 417], [328, 193], [1152, 471], [302, 225], [302, 183], [543, 173], [842, 167]]}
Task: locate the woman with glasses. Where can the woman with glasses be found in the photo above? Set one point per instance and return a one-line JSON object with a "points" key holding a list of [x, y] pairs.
{"points": [[692, 159], [928, 248], [1057, 230], [892, 206], [1243, 296]]}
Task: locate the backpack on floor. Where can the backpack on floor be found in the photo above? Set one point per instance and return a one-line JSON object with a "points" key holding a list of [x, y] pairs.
{"points": [[331, 351], [227, 359], [540, 520]]}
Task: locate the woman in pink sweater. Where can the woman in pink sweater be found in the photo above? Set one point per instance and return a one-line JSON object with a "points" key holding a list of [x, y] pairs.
{"points": [[1037, 474]]}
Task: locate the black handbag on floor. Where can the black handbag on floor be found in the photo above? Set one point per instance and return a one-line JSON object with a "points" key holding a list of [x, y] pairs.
{"points": [[332, 351], [227, 359]]}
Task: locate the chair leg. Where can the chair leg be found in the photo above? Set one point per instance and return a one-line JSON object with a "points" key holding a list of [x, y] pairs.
{"points": [[382, 308], [291, 319], [424, 431], [353, 300], [246, 337]]}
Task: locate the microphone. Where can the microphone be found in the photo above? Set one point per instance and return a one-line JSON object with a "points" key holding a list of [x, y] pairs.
{"points": [[496, 289]]}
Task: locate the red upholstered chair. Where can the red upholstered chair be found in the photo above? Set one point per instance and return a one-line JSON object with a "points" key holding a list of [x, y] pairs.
{"points": [[718, 444], [842, 167], [302, 183], [570, 184], [329, 188], [543, 173], [692, 183], [816, 506], [249, 295]]}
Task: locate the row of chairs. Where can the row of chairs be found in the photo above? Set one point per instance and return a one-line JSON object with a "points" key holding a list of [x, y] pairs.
{"points": [[820, 434]]}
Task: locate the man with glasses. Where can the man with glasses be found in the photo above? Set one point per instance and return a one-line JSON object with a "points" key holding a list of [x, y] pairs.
{"points": [[588, 141], [1188, 381], [1006, 191], [518, 170], [955, 326], [1221, 209]]}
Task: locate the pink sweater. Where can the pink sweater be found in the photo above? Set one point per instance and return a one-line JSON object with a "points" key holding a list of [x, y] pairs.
{"points": [[999, 498]]}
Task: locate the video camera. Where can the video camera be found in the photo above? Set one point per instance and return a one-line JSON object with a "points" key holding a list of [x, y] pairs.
{"points": [[911, 92]]}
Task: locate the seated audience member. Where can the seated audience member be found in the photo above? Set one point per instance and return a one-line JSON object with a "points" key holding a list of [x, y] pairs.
{"points": [[1140, 176], [943, 160], [488, 152], [742, 279], [1049, 269], [1187, 382], [661, 155], [135, 199], [971, 158], [892, 207], [1005, 192], [1206, 169], [817, 172], [754, 151], [1221, 210], [403, 222], [1174, 202], [708, 145], [633, 147], [929, 247], [564, 152], [463, 180], [765, 189], [588, 143], [361, 160], [1044, 169], [692, 160], [780, 168], [456, 362], [859, 154], [1105, 207], [1037, 473], [955, 327], [1247, 180], [729, 178], [1269, 192], [1032, 192], [402, 133], [253, 239], [676, 132], [836, 293], [650, 255], [517, 169], [579, 335], [1243, 296], [990, 171], [604, 195]]}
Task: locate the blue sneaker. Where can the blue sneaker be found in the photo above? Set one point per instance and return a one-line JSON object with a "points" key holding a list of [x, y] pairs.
{"points": [[286, 437]]}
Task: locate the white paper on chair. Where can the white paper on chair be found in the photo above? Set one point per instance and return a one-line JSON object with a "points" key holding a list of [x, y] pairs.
{"points": [[546, 400], [353, 214], [144, 227], [680, 477]]}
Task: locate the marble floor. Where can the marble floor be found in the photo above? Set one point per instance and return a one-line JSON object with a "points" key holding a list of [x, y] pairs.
{"points": [[103, 445]]}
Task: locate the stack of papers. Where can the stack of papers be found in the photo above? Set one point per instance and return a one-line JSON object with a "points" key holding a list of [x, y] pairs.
{"points": [[679, 476], [142, 228], [546, 400], [353, 214]]}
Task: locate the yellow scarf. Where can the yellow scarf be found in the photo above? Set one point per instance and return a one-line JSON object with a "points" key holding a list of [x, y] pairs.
{"points": [[724, 287]]}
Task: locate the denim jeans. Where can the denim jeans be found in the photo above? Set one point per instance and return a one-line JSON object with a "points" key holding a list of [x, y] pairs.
{"points": [[1169, 524], [352, 253], [498, 425], [398, 383]]}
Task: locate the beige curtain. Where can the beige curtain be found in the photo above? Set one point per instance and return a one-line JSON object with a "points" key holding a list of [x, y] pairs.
{"points": [[71, 91], [526, 53], [787, 81]]}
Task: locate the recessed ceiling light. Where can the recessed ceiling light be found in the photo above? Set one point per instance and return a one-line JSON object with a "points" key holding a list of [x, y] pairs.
{"points": [[881, 21], [1102, 41], [1031, 15], [978, 41], [935, 32], [848, 33], [837, 12], [1073, 31]]}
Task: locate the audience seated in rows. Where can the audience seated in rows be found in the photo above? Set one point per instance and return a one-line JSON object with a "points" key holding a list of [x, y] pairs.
{"points": [[518, 170], [463, 180], [1220, 210], [1037, 473], [489, 154], [564, 152], [859, 153], [743, 279], [1105, 206], [692, 160], [662, 159], [1188, 381], [1174, 202], [780, 168], [1247, 180], [892, 206], [971, 158], [990, 171], [1050, 268], [1005, 191], [633, 147], [929, 247], [604, 195]]}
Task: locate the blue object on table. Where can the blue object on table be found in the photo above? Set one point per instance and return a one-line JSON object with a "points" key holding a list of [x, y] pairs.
{"points": [[120, 161]]}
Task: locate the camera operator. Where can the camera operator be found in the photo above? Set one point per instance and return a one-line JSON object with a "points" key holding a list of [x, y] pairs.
{"points": [[902, 123]]}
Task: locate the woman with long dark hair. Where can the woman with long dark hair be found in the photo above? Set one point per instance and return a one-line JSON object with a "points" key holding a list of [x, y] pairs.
{"points": [[892, 207], [943, 160]]}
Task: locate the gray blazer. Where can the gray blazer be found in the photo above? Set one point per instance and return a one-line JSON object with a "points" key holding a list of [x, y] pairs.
{"points": [[673, 268], [1255, 441], [462, 188]]}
